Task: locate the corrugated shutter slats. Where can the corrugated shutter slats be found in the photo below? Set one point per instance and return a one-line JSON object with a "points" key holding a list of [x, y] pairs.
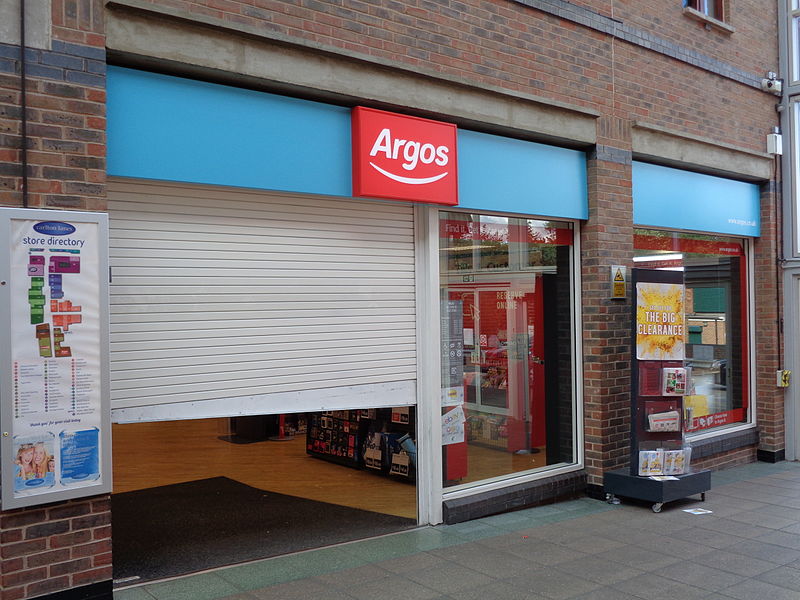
{"points": [[221, 293]]}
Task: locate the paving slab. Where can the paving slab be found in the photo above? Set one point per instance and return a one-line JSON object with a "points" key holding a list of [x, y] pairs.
{"points": [[735, 563], [654, 587], [786, 577], [752, 589], [553, 584], [701, 576]]}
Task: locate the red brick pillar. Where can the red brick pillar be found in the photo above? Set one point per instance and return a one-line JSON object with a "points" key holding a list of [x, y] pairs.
{"points": [[767, 337], [606, 240], [59, 546]]}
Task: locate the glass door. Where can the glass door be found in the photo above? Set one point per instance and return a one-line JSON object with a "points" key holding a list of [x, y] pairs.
{"points": [[499, 332]]}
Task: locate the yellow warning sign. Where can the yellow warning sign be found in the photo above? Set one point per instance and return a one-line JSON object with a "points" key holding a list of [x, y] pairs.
{"points": [[618, 281], [784, 377]]}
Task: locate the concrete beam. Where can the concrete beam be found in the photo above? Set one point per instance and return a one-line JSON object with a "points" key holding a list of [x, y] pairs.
{"points": [[678, 149]]}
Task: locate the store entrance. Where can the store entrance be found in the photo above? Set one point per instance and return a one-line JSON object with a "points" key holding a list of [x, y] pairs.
{"points": [[197, 494]]}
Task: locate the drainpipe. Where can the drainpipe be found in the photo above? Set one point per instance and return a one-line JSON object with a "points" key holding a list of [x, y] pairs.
{"points": [[23, 105]]}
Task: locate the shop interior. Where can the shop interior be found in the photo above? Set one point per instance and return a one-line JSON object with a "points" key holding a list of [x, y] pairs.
{"points": [[190, 495], [195, 494]]}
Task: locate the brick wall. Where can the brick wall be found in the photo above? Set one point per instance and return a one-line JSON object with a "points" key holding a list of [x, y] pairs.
{"points": [[55, 547], [656, 89], [751, 47], [726, 460], [64, 545], [516, 46], [66, 114]]}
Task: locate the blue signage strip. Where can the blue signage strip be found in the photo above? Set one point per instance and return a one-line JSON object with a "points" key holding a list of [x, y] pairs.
{"points": [[508, 175], [676, 199], [174, 129]]}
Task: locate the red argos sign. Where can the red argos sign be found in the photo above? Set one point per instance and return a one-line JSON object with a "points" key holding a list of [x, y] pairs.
{"points": [[403, 158]]}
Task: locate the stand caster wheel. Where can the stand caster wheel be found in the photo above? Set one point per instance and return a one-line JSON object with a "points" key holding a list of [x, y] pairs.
{"points": [[657, 507], [612, 499]]}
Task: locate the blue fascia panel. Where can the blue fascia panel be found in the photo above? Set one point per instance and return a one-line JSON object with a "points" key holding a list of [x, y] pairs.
{"points": [[509, 175], [676, 199], [174, 129]]}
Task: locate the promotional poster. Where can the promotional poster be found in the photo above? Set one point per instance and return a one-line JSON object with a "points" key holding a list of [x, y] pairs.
{"points": [[660, 326]]}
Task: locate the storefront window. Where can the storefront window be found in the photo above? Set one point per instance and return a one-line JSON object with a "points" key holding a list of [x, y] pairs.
{"points": [[507, 392], [716, 338]]}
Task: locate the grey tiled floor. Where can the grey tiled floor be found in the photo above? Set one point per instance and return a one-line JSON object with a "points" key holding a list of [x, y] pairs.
{"points": [[747, 549]]}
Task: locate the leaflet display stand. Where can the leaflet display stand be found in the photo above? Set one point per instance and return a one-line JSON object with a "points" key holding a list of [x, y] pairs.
{"points": [[660, 459]]}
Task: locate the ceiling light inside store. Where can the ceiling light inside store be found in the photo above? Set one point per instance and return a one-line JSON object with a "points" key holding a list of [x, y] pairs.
{"points": [[658, 257]]}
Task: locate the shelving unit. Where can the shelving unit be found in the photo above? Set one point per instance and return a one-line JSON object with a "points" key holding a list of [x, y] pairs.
{"points": [[380, 441], [335, 436]]}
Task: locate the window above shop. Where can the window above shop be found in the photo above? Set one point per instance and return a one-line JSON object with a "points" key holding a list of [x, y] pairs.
{"points": [[710, 8], [712, 13]]}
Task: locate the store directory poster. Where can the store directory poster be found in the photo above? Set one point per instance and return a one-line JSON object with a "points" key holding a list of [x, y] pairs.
{"points": [[55, 296]]}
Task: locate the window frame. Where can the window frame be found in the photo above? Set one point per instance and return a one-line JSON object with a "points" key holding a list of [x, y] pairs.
{"points": [[713, 14], [793, 23], [794, 158], [714, 9], [576, 348]]}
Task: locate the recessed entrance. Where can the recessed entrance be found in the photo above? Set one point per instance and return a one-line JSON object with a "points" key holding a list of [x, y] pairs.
{"points": [[195, 494]]}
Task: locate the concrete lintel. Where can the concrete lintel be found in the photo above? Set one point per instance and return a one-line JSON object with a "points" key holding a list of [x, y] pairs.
{"points": [[682, 150], [137, 35], [38, 23]]}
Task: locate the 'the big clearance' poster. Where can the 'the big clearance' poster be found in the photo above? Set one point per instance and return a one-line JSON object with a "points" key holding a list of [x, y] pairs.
{"points": [[660, 321]]}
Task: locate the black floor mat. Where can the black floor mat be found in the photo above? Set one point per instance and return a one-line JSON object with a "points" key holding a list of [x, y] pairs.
{"points": [[176, 529]]}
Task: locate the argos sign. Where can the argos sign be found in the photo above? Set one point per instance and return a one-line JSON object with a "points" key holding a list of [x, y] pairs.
{"points": [[403, 158]]}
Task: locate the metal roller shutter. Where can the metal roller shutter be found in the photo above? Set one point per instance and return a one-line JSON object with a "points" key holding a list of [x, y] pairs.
{"points": [[227, 302]]}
